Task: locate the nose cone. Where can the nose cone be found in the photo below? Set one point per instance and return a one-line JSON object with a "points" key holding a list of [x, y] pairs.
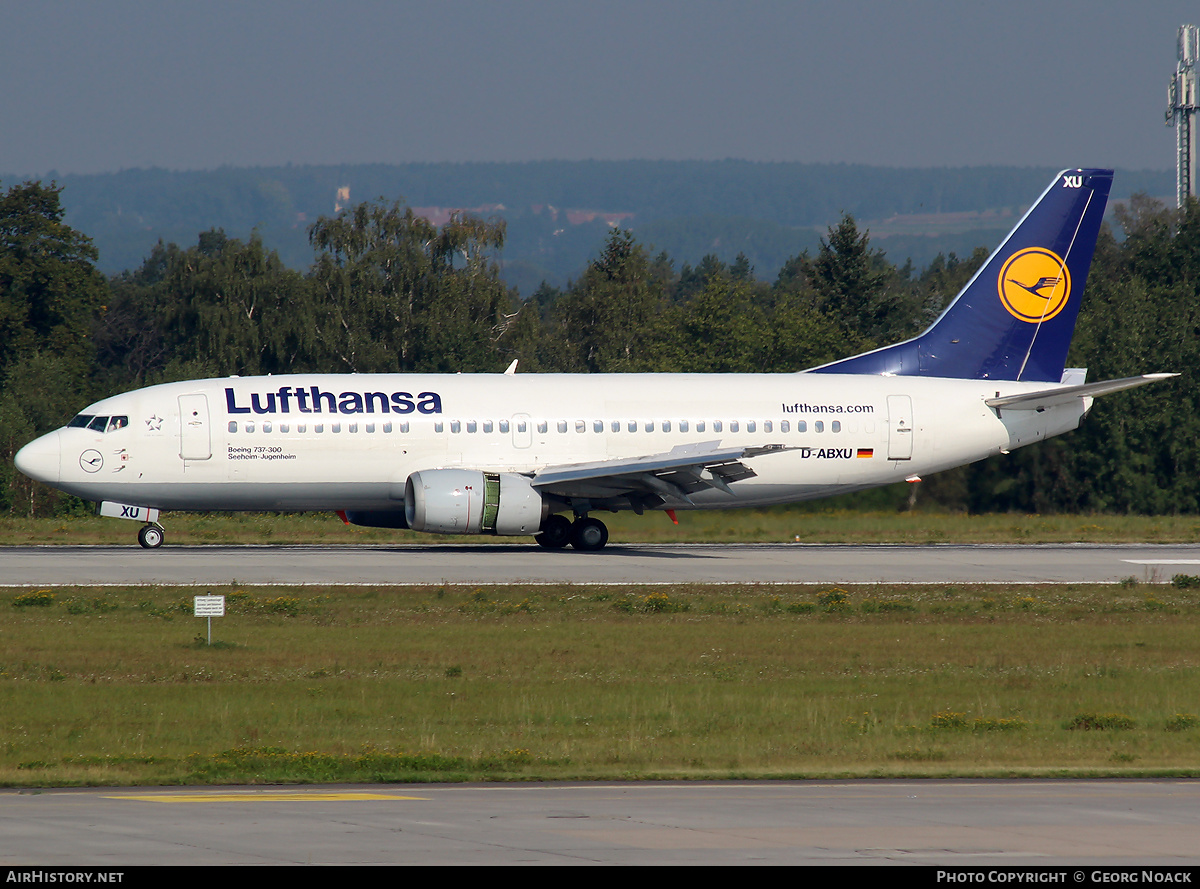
{"points": [[40, 459]]}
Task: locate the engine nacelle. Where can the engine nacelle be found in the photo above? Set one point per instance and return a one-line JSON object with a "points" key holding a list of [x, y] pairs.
{"points": [[466, 501]]}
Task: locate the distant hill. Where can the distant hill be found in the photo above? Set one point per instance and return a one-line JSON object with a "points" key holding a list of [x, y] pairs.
{"points": [[559, 212]]}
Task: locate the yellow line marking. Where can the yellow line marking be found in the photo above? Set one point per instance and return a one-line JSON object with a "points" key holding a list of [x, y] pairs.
{"points": [[264, 797]]}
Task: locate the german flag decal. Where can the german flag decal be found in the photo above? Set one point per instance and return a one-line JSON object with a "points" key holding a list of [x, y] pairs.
{"points": [[866, 452]]}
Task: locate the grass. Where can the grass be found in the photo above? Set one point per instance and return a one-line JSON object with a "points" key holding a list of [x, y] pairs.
{"points": [[116, 686], [776, 525]]}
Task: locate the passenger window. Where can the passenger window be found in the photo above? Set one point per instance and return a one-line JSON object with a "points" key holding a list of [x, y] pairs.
{"points": [[302, 427], [487, 425], [835, 426], [318, 428], [249, 426], [784, 426], [802, 425], [819, 426], [472, 426], [699, 425], [649, 425], [456, 426], [233, 425], [439, 426], [580, 426], [767, 427], [267, 426], [403, 427], [751, 426], [615, 426], [283, 427], [716, 425], [666, 425], [683, 425], [335, 427], [353, 427], [597, 425], [542, 426], [562, 425], [632, 426], [733, 426], [504, 426]]}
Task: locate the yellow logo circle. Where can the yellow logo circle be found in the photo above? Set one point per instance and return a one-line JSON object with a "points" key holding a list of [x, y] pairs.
{"points": [[1034, 284]]}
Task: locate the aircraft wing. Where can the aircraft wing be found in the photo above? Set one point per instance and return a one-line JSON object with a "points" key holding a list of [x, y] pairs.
{"points": [[678, 473], [1037, 401]]}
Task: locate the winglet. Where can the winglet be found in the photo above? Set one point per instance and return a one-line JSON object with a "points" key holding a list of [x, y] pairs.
{"points": [[512, 368]]}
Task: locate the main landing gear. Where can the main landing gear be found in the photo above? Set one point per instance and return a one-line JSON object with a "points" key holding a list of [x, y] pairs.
{"points": [[150, 536], [585, 534]]}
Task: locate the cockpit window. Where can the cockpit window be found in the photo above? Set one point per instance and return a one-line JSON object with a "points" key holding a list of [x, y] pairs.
{"points": [[99, 424]]}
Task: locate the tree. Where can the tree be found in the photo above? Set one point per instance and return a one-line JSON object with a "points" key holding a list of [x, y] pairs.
{"points": [[49, 294], [603, 321], [221, 307], [857, 285], [49, 287], [395, 294]]}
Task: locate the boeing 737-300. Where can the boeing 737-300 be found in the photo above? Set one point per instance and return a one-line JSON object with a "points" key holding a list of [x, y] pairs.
{"points": [[516, 454]]}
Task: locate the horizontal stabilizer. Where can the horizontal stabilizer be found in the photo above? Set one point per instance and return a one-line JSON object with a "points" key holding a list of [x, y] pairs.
{"points": [[1036, 401]]}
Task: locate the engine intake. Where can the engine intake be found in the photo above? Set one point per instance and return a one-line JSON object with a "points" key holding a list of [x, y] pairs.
{"points": [[466, 501]]}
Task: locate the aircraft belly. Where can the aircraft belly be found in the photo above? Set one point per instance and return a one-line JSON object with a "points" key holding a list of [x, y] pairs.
{"points": [[288, 496]]}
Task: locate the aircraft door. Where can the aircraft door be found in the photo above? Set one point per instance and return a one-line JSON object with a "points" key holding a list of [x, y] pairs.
{"points": [[195, 439], [900, 427], [522, 430]]}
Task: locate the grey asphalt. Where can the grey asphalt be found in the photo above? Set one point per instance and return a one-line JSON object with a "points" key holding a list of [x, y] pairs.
{"points": [[1084, 827], [620, 564]]}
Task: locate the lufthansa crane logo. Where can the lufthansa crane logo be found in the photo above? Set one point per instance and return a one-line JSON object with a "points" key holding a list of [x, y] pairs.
{"points": [[1034, 284]]}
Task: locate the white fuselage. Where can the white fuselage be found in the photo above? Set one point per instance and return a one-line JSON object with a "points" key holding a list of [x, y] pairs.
{"points": [[316, 442]]}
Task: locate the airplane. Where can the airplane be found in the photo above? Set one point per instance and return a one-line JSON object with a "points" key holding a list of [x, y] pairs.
{"points": [[516, 454]]}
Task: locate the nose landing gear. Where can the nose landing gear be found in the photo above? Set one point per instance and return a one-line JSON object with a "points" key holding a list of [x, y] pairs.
{"points": [[150, 536]]}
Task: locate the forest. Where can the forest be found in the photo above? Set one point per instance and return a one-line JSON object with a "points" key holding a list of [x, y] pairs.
{"points": [[388, 291]]}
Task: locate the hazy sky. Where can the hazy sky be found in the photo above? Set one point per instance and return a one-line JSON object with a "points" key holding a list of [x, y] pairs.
{"points": [[103, 86]]}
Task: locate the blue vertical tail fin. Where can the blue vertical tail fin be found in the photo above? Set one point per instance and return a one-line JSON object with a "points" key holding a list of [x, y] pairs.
{"points": [[1015, 318]]}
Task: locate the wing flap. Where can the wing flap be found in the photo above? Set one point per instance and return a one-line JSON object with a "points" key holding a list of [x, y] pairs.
{"points": [[679, 473]]}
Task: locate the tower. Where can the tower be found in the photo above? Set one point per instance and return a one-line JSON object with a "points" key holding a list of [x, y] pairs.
{"points": [[1181, 112]]}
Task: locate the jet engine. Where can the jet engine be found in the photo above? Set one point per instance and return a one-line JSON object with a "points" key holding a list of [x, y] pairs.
{"points": [[465, 501]]}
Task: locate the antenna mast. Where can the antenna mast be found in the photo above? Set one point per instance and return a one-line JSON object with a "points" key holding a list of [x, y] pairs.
{"points": [[1181, 112]]}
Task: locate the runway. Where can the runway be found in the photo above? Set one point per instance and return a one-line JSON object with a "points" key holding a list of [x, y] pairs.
{"points": [[617, 564], [973, 824]]}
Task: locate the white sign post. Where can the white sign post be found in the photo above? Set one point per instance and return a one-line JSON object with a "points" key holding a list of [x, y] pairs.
{"points": [[210, 607]]}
